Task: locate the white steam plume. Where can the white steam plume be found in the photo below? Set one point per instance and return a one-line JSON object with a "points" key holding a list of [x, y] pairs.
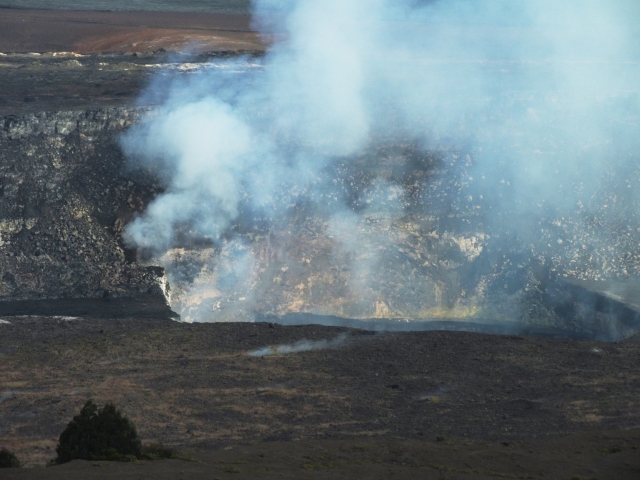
{"points": [[539, 91], [300, 346]]}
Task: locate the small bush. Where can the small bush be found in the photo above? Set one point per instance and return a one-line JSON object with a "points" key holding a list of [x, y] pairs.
{"points": [[157, 451], [8, 459], [99, 434]]}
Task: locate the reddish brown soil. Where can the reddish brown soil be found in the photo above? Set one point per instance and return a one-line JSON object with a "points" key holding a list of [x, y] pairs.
{"points": [[23, 31]]}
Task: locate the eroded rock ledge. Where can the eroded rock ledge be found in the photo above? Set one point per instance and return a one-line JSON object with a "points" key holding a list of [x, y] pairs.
{"points": [[64, 200], [65, 197]]}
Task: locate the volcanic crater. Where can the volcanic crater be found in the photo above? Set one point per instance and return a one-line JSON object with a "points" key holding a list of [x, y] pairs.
{"points": [[439, 346]]}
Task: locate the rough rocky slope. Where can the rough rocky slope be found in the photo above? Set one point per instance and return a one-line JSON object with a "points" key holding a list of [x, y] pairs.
{"points": [[67, 196], [428, 232], [64, 200], [438, 256], [209, 386]]}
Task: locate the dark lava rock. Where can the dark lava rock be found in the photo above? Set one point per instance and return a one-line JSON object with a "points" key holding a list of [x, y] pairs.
{"points": [[64, 203]]}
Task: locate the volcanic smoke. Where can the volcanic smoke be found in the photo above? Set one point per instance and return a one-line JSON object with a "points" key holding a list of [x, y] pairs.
{"points": [[529, 109]]}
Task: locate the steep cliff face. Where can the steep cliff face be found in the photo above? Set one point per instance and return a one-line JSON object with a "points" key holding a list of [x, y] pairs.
{"points": [[66, 196], [64, 200]]}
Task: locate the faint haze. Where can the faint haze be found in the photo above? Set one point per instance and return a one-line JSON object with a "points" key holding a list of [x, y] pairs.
{"points": [[541, 97]]}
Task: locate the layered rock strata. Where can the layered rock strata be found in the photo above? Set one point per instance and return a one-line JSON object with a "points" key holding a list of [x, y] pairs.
{"points": [[66, 197], [64, 201]]}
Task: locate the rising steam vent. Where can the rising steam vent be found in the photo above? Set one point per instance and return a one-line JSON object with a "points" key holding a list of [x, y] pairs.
{"points": [[450, 162], [472, 164]]}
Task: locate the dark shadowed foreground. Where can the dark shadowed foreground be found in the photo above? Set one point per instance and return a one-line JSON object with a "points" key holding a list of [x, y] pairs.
{"points": [[355, 400], [611, 455]]}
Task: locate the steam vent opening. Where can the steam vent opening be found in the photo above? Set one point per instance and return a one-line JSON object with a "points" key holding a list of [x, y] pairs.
{"points": [[440, 170]]}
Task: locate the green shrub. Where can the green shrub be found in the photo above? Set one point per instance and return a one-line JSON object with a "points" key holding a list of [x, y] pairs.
{"points": [[8, 459], [99, 434], [156, 451]]}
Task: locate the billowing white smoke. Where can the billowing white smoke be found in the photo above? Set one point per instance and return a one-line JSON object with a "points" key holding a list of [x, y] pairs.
{"points": [[342, 73]]}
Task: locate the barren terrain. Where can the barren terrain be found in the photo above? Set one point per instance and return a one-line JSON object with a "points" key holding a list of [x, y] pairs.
{"points": [[195, 387], [40, 31]]}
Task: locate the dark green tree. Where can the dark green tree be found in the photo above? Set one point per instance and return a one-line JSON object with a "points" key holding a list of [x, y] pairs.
{"points": [[99, 434], [8, 459]]}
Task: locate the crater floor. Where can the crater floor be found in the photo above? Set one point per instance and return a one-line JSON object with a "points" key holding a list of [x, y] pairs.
{"points": [[195, 386]]}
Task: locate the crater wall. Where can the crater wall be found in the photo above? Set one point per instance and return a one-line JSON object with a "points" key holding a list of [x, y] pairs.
{"points": [[64, 200], [66, 197]]}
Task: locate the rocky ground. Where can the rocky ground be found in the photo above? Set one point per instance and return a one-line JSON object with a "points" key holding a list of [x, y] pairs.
{"points": [[205, 387]]}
